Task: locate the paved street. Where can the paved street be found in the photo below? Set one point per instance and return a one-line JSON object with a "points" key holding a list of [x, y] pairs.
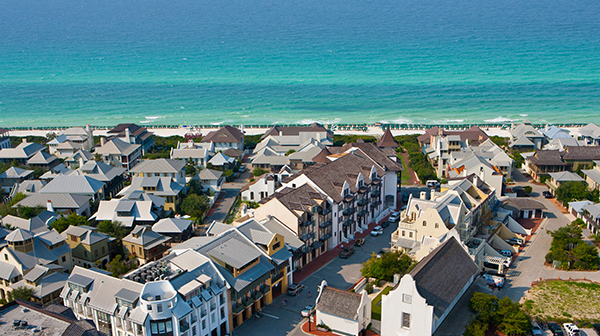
{"points": [[339, 273], [529, 265], [230, 191]]}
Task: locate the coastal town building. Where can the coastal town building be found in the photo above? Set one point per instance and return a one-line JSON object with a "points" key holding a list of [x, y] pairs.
{"points": [[132, 134], [463, 205], [119, 153], [525, 137], [4, 138], [163, 187], [592, 176], [224, 138], [543, 162], [178, 229], [22, 256], [128, 212], [20, 154], [78, 159], [425, 296], [12, 177], [556, 179], [211, 179], [71, 140], [145, 245], [59, 169], [222, 161], [590, 134], [438, 144], [523, 207], [112, 177], [562, 143], [89, 247], [38, 224], [197, 155], [161, 168], [53, 319], [43, 161], [344, 312], [553, 132], [263, 186], [29, 187], [58, 202], [580, 157], [75, 185]]}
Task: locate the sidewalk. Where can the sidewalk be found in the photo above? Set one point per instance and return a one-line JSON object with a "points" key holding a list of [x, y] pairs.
{"points": [[314, 331], [328, 256]]}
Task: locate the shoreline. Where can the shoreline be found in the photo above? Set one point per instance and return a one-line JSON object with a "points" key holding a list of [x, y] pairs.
{"points": [[341, 129]]}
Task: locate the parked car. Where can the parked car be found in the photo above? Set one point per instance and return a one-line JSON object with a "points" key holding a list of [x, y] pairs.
{"points": [[359, 242], [571, 329], [432, 184], [535, 329], [307, 310], [547, 194], [380, 254], [377, 231], [394, 217], [506, 253], [515, 241], [555, 329], [295, 289], [494, 279], [346, 252], [385, 224], [596, 327], [507, 262]]}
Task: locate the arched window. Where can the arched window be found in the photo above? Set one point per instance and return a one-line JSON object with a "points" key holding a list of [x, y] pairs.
{"points": [[424, 223], [437, 225]]}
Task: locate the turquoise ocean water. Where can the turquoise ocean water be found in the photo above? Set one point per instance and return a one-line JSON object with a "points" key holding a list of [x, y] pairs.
{"points": [[297, 61]]}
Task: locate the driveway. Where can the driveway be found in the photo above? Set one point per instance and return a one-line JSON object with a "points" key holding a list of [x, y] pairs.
{"points": [[339, 273], [229, 193], [529, 265]]}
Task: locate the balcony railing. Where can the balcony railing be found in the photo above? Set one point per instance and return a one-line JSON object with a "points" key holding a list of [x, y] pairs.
{"points": [[348, 211], [307, 236], [247, 302], [362, 213], [265, 289], [325, 237], [325, 224], [257, 295], [237, 308], [375, 193], [326, 211], [362, 202], [349, 198], [375, 204], [347, 222], [363, 190], [276, 277]]}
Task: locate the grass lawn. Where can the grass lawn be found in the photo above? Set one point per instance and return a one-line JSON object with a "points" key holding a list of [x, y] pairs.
{"points": [[376, 306], [564, 301], [404, 176]]}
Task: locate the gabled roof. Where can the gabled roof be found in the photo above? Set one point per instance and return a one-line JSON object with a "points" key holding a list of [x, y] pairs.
{"points": [[341, 303], [583, 153], [593, 174], [85, 155], [234, 252], [566, 176], [297, 200], [133, 129], [210, 174], [31, 186], [159, 166], [89, 235], [290, 238], [14, 172], [547, 158], [73, 184], [99, 171], [171, 225], [186, 153], [165, 186], [441, 276], [220, 159], [24, 150], [8, 271], [42, 158], [59, 201], [233, 152], [296, 130], [590, 130], [224, 134], [322, 156], [522, 203], [143, 235], [387, 140], [136, 210], [376, 154], [118, 147]]}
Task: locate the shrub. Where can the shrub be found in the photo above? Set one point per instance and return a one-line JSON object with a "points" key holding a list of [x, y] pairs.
{"points": [[369, 288], [259, 171]]}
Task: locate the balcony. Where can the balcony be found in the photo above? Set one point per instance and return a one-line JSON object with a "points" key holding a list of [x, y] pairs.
{"points": [[326, 211], [307, 236], [349, 198], [375, 193], [203, 313], [307, 223], [247, 302], [375, 204], [325, 224], [376, 181], [257, 295], [362, 202], [362, 213], [348, 211], [276, 277], [363, 189], [265, 289], [325, 237], [237, 308], [347, 222]]}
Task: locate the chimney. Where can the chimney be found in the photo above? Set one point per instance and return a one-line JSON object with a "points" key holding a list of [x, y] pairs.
{"points": [[423, 195], [49, 206], [24, 140], [127, 135], [80, 162], [280, 133], [87, 127], [102, 141], [432, 196]]}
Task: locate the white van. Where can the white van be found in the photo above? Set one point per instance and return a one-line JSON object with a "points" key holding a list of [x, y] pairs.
{"points": [[432, 184], [571, 329]]}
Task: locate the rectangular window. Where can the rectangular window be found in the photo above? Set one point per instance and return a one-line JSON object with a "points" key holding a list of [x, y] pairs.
{"points": [[154, 328], [203, 324], [161, 327], [102, 250], [96, 253], [407, 298], [64, 259], [159, 308], [169, 326], [140, 249], [406, 320]]}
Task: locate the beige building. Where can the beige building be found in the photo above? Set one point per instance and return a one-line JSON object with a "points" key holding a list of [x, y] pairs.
{"points": [[146, 245], [89, 246]]}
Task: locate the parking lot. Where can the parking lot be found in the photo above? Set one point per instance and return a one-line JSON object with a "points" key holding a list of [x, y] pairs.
{"points": [[339, 273]]}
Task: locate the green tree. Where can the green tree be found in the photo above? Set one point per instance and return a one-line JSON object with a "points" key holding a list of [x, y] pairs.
{"points": [[118, 266], [476, 328], [484, 305], [22, 293], [258, 171], [510, 318], [586, 257], [194, 205], [196, 188], [573, 190], [62, 223], [498, 140], [290, 152], [385, 267], [113, 229], [29, 212]]}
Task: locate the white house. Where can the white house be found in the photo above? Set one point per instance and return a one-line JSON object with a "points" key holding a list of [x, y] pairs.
{"points": [[263, 186], [424, 297], [344, 312], [211, 179]]}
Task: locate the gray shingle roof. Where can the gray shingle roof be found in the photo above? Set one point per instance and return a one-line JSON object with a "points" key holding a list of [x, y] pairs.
{"points": [[224, 134], [42, 158], [99, 171], [441, 276], [566, 176], [522, 203], [59, 201], [209, 174], [117, 146], [171, 225], [583, 153], [234, 252], [339, 302], [14, 172], [73, 184]]}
